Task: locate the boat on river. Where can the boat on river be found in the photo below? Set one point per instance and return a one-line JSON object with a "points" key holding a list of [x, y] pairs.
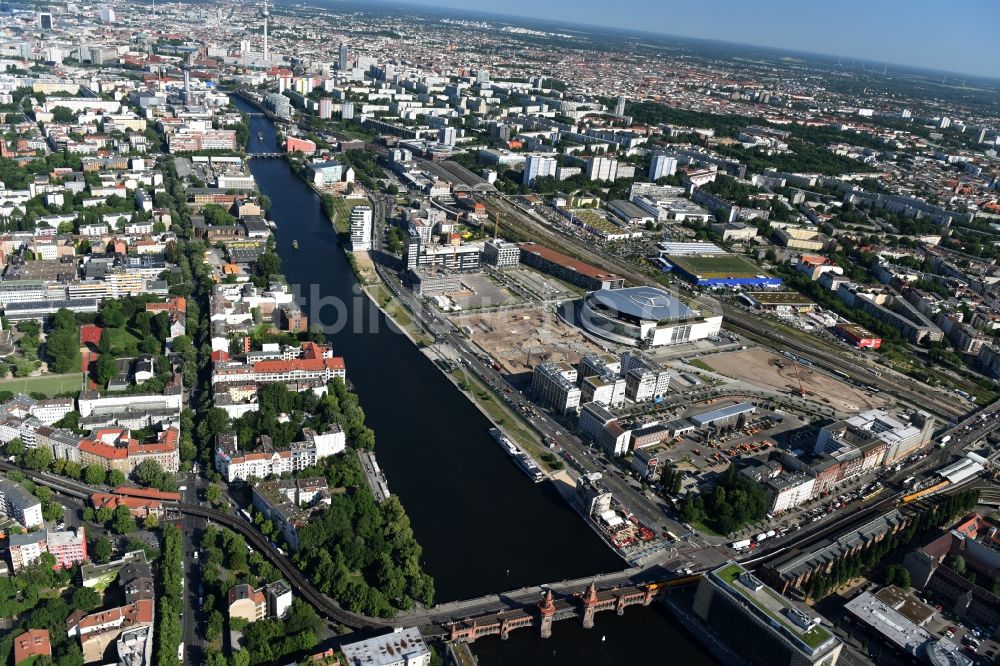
{"points": [[521, 459], [295, 244]]}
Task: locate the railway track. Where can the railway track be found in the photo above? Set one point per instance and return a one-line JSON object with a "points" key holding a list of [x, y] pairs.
{"points": [[324, 606], [735, 320], [931, 402]]}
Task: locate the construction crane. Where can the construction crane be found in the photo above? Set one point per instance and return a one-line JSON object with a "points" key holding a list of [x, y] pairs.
{"points": [[802, 391]]}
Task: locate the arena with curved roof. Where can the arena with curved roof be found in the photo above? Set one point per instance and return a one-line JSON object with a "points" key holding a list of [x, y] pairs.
{"points": [[644, 316]]}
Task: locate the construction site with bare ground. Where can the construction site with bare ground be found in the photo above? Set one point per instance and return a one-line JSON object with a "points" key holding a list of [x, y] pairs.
{"points": [[776, 372], [519, 339]]}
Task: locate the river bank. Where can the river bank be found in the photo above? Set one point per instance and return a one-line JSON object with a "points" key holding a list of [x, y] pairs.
{"points": [[484, 526]]}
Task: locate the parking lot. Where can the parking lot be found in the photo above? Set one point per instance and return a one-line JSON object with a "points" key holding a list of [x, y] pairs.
{"points": [[481, 292], [540, 286]]}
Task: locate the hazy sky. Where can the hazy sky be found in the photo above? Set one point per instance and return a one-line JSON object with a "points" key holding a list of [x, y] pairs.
{"points": [[959, 36]]}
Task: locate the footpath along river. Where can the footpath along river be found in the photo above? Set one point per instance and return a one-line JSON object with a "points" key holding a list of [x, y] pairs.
{"points": [[484, 526]]}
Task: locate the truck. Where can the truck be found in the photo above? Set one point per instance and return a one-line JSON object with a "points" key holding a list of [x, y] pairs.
{"points": [[740, 545], [944, 441], [761, 537], [771, 533]]}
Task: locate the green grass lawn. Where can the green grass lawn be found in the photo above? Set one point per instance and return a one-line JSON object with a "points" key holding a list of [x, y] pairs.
{"points": [[519, 430], [123, 342], [342, 212], [395, 309], [47, 384], [813, 637], [717, 265], [698, 363]]}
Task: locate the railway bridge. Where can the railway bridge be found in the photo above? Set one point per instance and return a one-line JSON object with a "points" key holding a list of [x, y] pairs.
{"points": [[583, 605]]}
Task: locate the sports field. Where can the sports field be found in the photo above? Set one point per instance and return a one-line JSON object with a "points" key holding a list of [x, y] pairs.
{"points": [[47, 384], [716, 265]]}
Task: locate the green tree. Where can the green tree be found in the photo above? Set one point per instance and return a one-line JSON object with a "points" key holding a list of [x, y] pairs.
{"points": [[85, 599], [63, 351], [150, 474], [100, 548], [267, 265], [63, 319], [121, 520], [107, 368], [37, 459], [14, 447], [112, 315], [114, 477], [217, 215], [94, 474], [63, 114]]}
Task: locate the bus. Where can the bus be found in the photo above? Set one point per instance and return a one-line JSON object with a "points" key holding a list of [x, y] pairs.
{"points": [[908, 481]]}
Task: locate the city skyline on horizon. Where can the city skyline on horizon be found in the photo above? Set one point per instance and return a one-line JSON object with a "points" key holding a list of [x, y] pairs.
{"points": [[902, 50]]}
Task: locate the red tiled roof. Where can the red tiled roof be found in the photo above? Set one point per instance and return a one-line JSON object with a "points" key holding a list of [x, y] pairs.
{"points": [[304, 364], [32, 643], [103, 450], [148, 493], [567, 262], [106, 500], [175, 304], [140, 612]]}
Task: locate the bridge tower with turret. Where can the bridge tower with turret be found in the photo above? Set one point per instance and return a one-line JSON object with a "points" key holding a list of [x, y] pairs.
{"points": [[590, 602], [548, 611]]}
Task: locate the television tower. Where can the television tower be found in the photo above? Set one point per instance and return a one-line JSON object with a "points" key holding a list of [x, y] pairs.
{"points": [[265, 14]]}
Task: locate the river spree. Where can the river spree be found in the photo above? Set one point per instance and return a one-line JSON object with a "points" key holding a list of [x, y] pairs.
{"points": [[484, 526]]}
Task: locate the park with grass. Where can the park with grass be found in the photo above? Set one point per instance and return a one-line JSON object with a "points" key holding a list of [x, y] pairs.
{"points": [[339, 210]]}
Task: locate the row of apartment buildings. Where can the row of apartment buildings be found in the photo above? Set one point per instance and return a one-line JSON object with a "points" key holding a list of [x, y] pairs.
{"points": [[604, 380], [265, 460]]}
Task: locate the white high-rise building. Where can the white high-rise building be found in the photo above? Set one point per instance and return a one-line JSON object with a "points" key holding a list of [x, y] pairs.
{"points": [[446, 135], [107, 15], [361, 228], [265, 14], [602, 168], [662, 166], [347, 110], [537, 166], [342, 63], [620, 106], [325, 108]]}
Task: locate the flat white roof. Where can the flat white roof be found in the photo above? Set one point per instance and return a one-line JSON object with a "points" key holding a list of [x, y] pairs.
{"points": [[402, 646]]}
